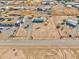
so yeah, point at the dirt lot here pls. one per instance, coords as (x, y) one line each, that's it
(47, 30)
(64, 11)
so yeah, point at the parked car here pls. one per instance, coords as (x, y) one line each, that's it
(76, 6)
(37, 20)
(71, 23)
(2, 19)
(71, 4)
(43, 8)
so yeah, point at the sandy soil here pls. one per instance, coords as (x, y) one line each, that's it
(39, 52)
(64, 11)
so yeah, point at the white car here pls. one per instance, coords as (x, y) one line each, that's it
(76, 6)
(71, 4)
(71, 23)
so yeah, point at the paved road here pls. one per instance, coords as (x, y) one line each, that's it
(40, 42)
(28, 22)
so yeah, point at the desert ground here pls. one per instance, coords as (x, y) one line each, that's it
(39, 52)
